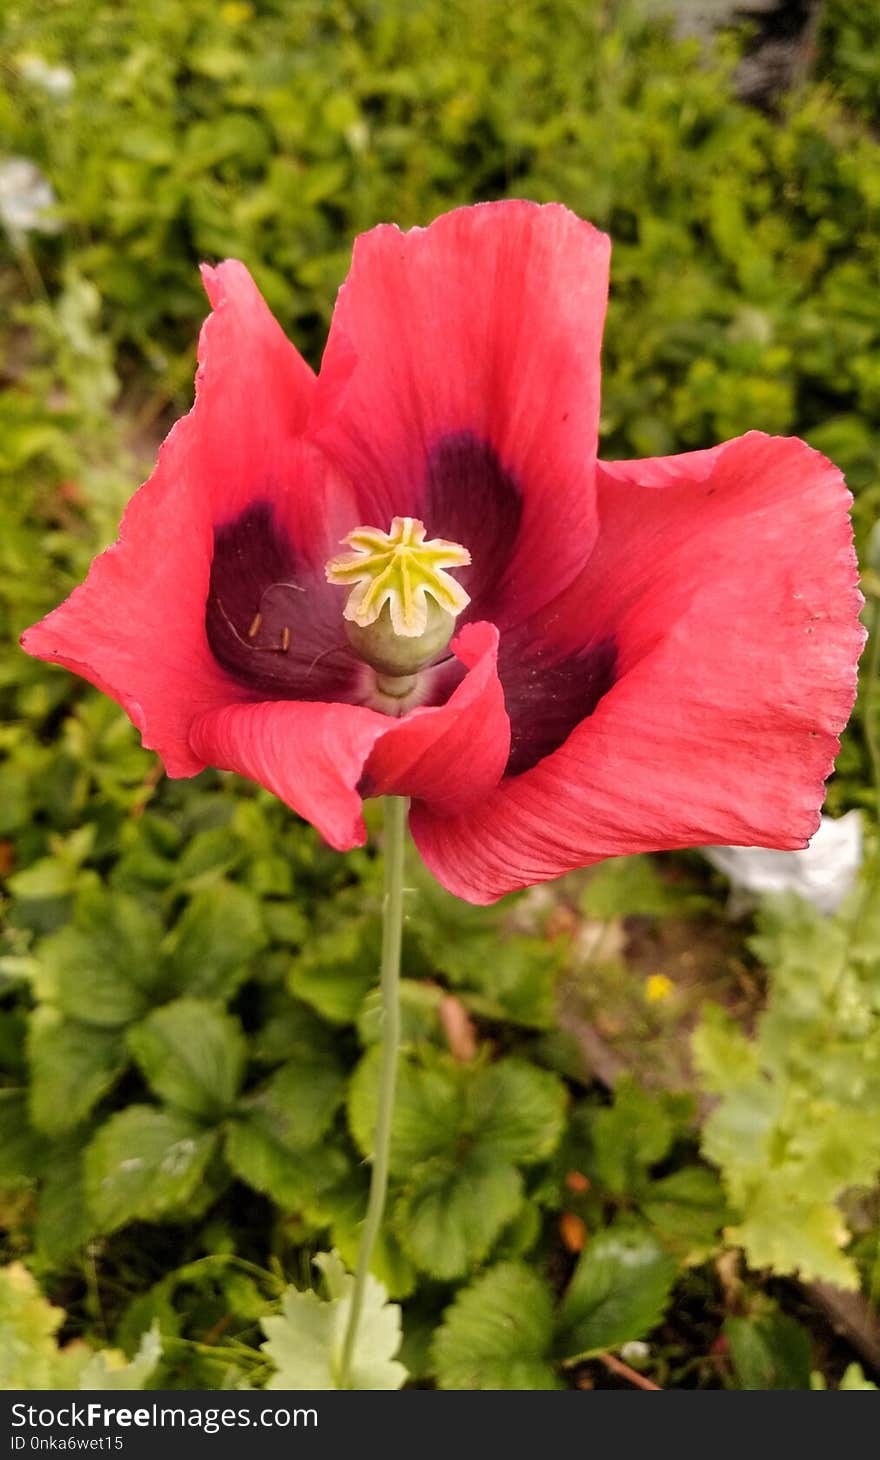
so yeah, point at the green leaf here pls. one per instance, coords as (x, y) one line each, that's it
(454, 1210)
(498, 1334)
(193, 1056)
(630, 1136)
(31, 1359)
(625, 887)
(419, 1003)
(515, 1111)
(214, 940)
(272, 1144)
(854, 1378)
(769, 1352)
(28, 1325)
(63, 1223)
(298, 1102)
(21, 1148)
(72, 1066)
(456, 1133)
(509, 1111)
(798, 1118)
(428, 1107)
(305, 1340)
(618, 1292)
(511, 977)
(109, 1369)
(687, 1208)
(292, 1032)
(104, 969)
(343, 1208)
(144, 1163)
(336, 969)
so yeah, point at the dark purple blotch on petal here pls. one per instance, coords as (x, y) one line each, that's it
(547, 697)
(272, 622)
(471, 499)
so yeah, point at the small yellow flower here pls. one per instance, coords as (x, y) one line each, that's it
(658, 988)
(235, 12)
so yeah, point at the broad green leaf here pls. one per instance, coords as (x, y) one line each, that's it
(448, 1217)
(336, 969)
(292, 1031)
(72, 1065)
(687, 1209)
(46, 878)
(193, 1056)
(273, 1142)
(145, 1163)
(296, 1105)
(206, 858)
(63, 1223)
(217, 935)
(104, 968)
(457, 1131)
(294, 1177)
(515, 1111)
(419, 1020)
(618, 1292)
(769, 1352)
(21, 1148)
(629, 1136)
(343, 1207)
(509, 977)
(509, 1111)
(498, 1334)
(787, 1234)
(304, 1342)
(428, 1108)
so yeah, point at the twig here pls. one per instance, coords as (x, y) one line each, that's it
(623, 1371)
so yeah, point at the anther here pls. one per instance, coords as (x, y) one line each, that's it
(285, 639)
(255, 625)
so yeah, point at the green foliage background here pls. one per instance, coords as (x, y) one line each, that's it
(186, 1009)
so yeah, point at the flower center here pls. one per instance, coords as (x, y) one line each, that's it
(401, 611)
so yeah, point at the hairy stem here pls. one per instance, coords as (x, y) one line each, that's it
(396, 808)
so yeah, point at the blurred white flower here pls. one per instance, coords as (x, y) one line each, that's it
(823, 874)
(57, 81)
(635, 1352)
(26, 198)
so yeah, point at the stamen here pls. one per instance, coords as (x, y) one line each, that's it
(400, 569)
(255, 625)
(285, 639)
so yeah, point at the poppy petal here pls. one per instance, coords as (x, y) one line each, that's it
(310, 755)
(731, 594)
(136, 627)
(460, 384)
(452, 755)
(322, 759)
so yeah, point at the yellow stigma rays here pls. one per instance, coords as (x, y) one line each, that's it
(401, 569)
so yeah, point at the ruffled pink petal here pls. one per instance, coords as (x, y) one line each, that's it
(136, 627)
(453, 755)
(312, 756)
(461, 382)
(731, 593)
(322, 759)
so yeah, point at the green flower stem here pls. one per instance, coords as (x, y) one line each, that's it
(396, 809)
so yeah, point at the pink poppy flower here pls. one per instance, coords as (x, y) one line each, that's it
(654, 654)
